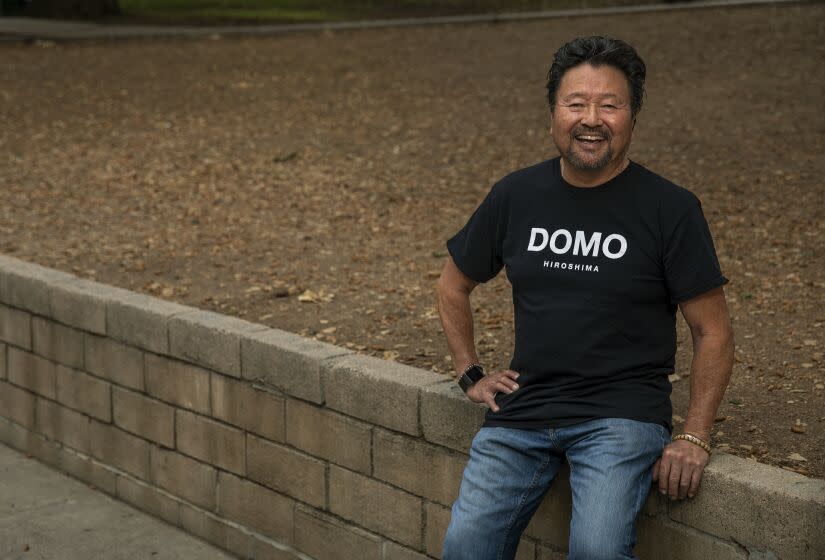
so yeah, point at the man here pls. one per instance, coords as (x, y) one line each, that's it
(600, 252)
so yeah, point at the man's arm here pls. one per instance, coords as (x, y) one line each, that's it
(680, 468)
(453, 292)
(453, 299)
(712, 365)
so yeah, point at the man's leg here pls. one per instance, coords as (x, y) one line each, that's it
(610, 461)
(508, 473)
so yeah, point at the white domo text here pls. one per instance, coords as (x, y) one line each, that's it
(562, 241)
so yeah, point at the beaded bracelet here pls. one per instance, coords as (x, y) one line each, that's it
(693, 439)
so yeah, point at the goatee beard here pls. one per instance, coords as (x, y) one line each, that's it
(575, 160)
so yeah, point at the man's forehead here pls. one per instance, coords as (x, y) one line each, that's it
(594, 95)
(590, 81)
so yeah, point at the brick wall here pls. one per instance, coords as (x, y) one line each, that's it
(275, 446)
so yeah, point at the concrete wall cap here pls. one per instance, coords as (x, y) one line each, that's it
(26, 285)
(763, 478)
(292, 342)
(142, 320)
(31, 270)
(449, 389)
(150, 303)
(287, 362)
(81, 303)
(371, 366)
(217, 321)
(448, 417)
(379, 391)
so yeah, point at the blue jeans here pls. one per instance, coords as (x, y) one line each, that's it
(511, 469)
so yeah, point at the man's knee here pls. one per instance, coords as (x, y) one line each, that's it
(478, 535)
(595, 548)
(465, 541)
(452, 549)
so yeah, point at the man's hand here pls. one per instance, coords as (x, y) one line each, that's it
(680, 469)
(485, 389)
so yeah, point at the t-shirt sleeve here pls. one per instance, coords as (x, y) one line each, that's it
(477, 247)
(690, 263)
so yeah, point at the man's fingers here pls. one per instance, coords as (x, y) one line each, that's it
(510, 373)
(490, 399)
(506, 387)
(674, 480)
(501, 381)
(507, 377)
(685, 482)
(486, 390)
(681, 470)
(694, 483)
(664, 473)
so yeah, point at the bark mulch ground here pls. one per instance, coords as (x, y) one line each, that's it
(308, 182)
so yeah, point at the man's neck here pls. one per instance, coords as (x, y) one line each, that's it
(586, 179)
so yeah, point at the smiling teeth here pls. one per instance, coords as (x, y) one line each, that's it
(590, 138)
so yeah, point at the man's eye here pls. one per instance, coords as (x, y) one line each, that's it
(576, 105)
(609, 107)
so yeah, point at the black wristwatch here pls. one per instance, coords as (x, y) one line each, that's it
(471, 375)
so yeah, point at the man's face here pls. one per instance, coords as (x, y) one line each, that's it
(591, 123)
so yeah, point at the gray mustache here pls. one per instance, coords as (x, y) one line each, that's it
(601, 134)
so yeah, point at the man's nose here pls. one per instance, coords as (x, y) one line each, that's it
(591, 116)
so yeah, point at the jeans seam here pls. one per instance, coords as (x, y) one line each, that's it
(641, 497)
(519, 507)
(628, 538)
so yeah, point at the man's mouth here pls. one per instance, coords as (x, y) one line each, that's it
(590, 138)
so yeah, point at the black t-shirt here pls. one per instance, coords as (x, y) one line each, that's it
(597, 274)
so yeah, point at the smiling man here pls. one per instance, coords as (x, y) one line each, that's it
(600, 253)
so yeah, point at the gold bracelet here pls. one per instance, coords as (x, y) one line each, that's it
(693, 439)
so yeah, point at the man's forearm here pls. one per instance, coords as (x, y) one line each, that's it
(711, 369)
(457, 322)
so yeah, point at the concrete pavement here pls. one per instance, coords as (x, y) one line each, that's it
(46, 515)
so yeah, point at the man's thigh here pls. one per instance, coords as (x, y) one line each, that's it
(610, 478)
(508, 473)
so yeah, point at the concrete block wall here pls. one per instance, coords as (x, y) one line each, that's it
(273, 446)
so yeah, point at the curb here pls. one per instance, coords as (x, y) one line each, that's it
(53, 30)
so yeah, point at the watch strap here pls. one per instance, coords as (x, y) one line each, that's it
(472, 374)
